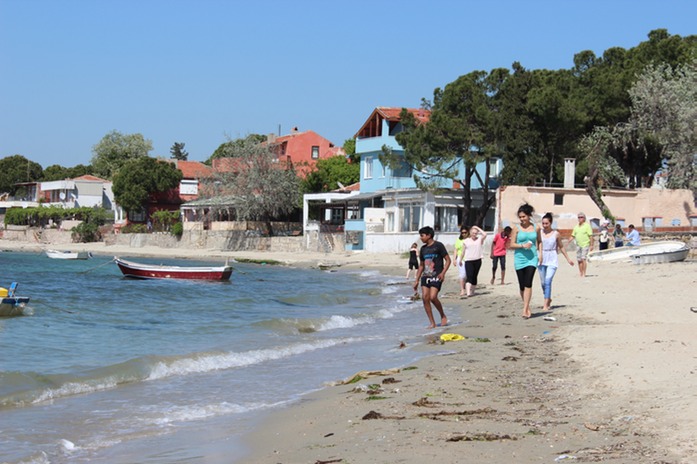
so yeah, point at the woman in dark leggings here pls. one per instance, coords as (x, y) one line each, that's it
(525, 241)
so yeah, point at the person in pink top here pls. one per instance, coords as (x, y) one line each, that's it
(473, 253)
(498, 253)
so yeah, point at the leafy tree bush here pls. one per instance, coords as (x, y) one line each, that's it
(162, 221)
(134, 229)
(177, 229)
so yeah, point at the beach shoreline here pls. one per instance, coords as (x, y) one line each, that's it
(607, 380)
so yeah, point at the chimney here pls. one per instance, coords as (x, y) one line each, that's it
(271, 138)
(569, 172)
(294, 130)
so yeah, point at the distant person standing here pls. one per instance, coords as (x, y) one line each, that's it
(459, 258)
(633, 236)
(413, 259)
(525, 239)
(583, 236)
(434, 262)
(550, 244)
(603, 238)
(474, 252)
(498, 253)
(618, 235)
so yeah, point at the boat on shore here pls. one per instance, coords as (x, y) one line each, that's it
(154, 271)
(668, 256)
(11, 304)
(55, 254)
(655, 252)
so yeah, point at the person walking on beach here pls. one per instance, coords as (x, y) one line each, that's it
(473, 254)
(550, 244)
(459, 258)
(633, 236)
(434, 262)
(525, 240)
(413, 259)
(498, 253)
(618, 235)
(583, 236)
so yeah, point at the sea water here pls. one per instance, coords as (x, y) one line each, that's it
(103, 368)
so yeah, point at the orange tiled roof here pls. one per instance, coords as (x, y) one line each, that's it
(90, 178)
(372, 126)
(193, 169)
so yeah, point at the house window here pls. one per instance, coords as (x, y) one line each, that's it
(188, 187)
(558, 199)
(368, 168)
(136, 216)
(404, 170)
(494, 165)
(390, 222)
(315, 151)
(411, 217)
(446, 219)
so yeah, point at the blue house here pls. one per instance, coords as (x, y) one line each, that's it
(389, 209)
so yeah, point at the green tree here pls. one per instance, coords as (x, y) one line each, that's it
(231, 147)
(115, 149)
(260, 189)
(58, 172)
(139, 178)
(664, 110)
(178, 153)
(15, 169)
(329, 173)
(350, 150)
(460, 133)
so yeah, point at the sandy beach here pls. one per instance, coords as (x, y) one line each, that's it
(610, 379)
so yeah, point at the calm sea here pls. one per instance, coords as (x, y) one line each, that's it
(107, 369)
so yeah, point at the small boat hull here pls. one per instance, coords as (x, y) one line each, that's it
(661, 257)
(55, 254)
(13, 305)
(628, 252)
(151, 271)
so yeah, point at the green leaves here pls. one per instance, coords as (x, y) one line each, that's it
(140, 177)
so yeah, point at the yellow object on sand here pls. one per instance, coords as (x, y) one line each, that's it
(451, 337)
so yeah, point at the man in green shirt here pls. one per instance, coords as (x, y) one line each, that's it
(583, 235)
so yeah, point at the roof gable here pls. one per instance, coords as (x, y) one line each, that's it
(373, 125)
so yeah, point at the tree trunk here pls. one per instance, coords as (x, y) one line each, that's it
(593, 190)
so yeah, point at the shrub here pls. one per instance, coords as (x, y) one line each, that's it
(134, 229)
(177, 229)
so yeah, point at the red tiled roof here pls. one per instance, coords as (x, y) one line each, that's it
(193, 169)
(392, 114)
(371, 127)
(90, 178)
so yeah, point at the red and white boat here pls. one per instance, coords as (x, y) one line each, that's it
(154, 271)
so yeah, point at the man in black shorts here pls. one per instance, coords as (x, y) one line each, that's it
(434, 263)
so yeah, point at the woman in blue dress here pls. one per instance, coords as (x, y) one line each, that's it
(525, 241)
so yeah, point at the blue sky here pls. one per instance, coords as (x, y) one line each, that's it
(198, 71)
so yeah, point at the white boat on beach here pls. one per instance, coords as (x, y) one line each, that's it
(655, 252)
(55, 254)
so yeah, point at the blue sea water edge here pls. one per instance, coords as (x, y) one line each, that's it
(106, 368)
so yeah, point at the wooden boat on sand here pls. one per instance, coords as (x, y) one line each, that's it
(154, 271)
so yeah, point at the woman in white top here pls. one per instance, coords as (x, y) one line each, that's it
(550, 244)
(473, 254)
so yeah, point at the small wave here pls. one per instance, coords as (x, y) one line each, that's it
(33, 388)
(213, 362)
